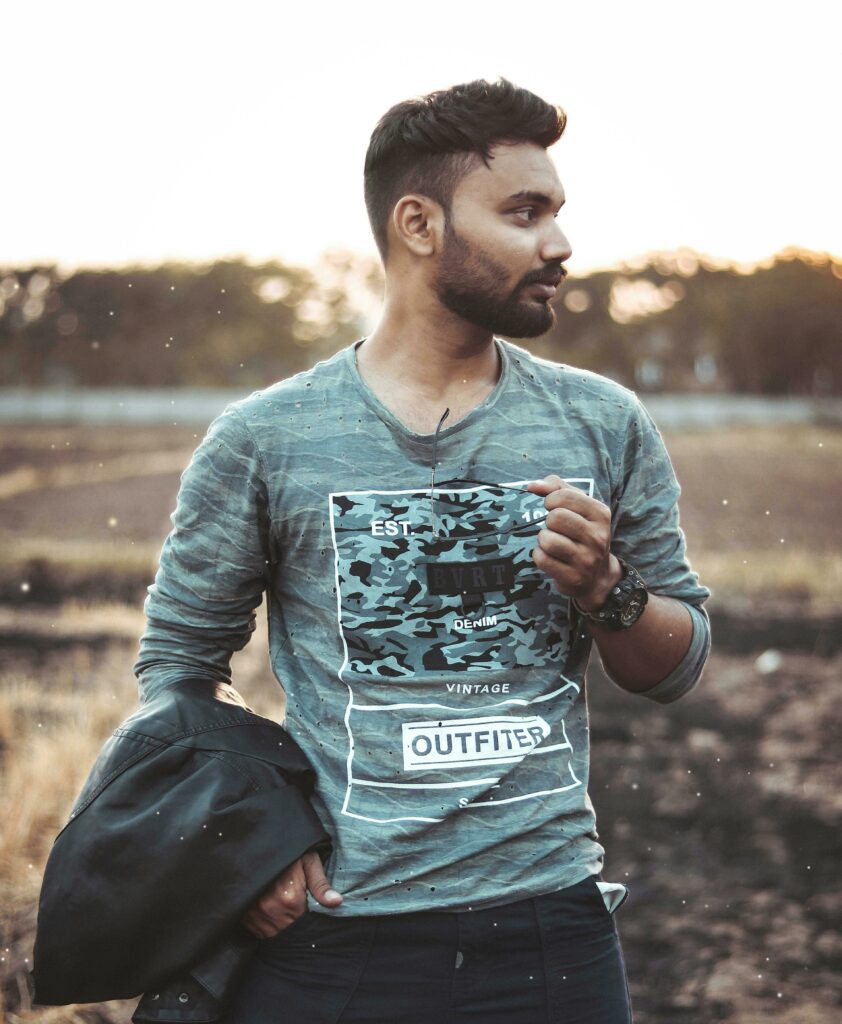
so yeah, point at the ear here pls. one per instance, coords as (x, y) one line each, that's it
(418, 223)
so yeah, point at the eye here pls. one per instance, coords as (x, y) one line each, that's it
(527, 210)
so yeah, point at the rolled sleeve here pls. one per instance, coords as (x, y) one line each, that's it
(688, 671)
(214, 563)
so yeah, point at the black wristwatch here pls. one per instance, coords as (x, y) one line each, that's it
(625, 603)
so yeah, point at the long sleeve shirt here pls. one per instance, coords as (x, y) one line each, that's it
(433, 675)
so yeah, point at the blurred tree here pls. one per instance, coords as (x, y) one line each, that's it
(672, 321)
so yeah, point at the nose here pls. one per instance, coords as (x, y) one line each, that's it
(556, 248)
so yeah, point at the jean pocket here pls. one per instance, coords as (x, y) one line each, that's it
(613, 894)
(304, 923)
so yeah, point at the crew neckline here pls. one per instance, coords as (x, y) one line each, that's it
(392, 421)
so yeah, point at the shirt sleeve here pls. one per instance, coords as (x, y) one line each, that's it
(214, 563)
(646, 532)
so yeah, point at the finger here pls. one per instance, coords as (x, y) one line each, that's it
(547, 485)
(560, 548)
(567, 578)
(257, 925)
(577, 501)
(567, 523)
(285, 899)
(317, 881)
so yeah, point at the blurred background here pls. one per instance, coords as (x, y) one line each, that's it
(182, 221)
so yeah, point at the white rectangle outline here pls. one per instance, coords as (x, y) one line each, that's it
(351, 782)
(476, 762)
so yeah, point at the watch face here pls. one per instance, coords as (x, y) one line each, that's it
(633, 609)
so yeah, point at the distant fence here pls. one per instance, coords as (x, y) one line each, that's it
(195, 407)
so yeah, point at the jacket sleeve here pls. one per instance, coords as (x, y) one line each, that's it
(213, 566)
(646, 533)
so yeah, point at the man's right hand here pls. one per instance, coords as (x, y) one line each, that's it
(286, 898)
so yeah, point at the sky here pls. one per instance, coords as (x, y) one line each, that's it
(140, 133)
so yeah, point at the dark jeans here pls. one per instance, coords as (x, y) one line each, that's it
(553, 958)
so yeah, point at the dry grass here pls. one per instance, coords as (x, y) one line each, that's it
(56, 711)
(51, 730)
(743, 490)
(787, 577)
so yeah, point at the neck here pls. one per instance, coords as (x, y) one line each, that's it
(433, 353)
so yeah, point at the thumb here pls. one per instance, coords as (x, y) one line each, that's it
(317, 881)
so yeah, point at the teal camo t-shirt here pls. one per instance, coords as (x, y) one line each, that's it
(434, 676)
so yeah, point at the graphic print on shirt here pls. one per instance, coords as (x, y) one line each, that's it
(435, 631)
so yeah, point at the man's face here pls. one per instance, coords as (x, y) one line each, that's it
(504, 250)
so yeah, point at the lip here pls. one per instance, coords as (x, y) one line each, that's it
(546, 291)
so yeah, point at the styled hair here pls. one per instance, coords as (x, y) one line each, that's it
(428, 144)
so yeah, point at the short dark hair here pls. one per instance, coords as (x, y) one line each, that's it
(428, 144)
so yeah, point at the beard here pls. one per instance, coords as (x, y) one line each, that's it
(468, 284)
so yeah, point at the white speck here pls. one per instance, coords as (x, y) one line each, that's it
(112, 521)
(724, 501)
(768, 662)
(25, 587)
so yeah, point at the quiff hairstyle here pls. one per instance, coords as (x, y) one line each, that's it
(428, 144)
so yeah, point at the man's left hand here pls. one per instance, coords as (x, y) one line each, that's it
(574, 547)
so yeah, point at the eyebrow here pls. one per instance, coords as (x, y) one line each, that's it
(534, 197)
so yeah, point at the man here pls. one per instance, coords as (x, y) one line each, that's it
(444, 524)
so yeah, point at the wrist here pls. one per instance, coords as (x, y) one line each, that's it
(596, 599)
(624, 604)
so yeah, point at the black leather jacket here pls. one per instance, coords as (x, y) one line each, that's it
(194, 805)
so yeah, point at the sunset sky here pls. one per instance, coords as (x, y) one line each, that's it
(184, 130)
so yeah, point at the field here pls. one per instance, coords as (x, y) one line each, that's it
(721, 812)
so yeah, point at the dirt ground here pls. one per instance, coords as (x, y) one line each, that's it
(721, 812)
